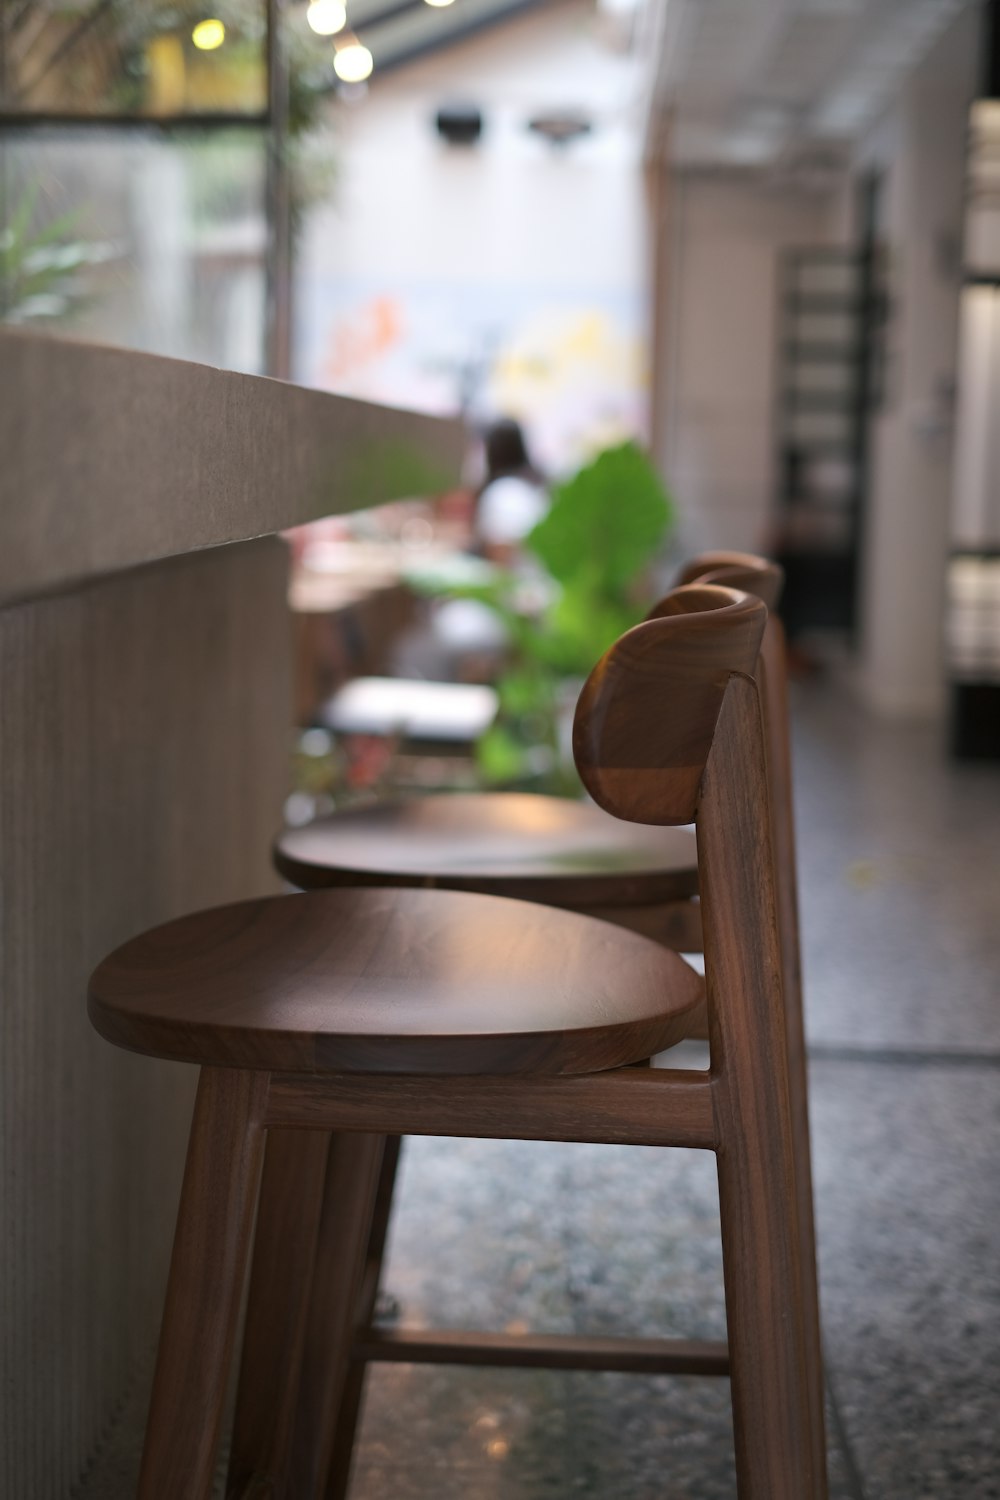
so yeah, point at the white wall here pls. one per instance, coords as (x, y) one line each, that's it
(471, 243)
(920, 146)
(719, 450)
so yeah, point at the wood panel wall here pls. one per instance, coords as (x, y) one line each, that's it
(143, 762)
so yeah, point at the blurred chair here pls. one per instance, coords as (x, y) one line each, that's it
(537, 848)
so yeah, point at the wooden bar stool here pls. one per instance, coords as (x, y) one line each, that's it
(562, 853)
(533, 847)
(356, 1014)
(489, 843)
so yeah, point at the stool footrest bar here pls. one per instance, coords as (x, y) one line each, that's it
(640, 1106)
(545, 1351)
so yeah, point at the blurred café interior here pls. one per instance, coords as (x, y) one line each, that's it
(367, 368)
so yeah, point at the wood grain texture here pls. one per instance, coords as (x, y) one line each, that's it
(388, 981)
(342, 1419)
(534, 848)
(637, 1106)
(546, 1351)
(773, 677)
(284, 1254)
(676, 924)
(766, 1311)
(647, 713)
(143, 763)
(757, 576)
(339, 1305)
(204, 1288)
(113, 458)
(748, 571)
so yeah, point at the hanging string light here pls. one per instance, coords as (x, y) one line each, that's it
(208, 35)
(327, 17)
(352, 62)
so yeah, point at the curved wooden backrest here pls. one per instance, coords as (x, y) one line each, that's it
(736, 570)
(647, 713)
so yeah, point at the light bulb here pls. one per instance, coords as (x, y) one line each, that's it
(439, 4)
(327, 17)
(208, 35)
(353, 63)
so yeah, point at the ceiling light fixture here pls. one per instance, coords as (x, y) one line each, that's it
(561, 126)
(438, 4)
(327, 17)
(352, 62)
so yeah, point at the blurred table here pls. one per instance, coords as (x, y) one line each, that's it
(352, 598)
(436, 712)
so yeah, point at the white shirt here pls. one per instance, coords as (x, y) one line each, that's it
(508, 509)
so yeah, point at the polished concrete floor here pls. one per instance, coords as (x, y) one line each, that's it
(900, 874)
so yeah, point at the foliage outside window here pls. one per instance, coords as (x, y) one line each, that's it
(127, 57)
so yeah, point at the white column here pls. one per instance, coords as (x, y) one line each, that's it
(920, 149)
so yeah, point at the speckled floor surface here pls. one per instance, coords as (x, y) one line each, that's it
(901, 919)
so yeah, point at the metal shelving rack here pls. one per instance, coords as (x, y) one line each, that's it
(831, 309)
(819, 437)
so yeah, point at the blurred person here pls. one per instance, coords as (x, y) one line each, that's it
(512, 498)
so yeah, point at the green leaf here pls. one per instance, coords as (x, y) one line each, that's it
(499, 755)
(525, 692)
(580, 627)
(602, 529)
(21, 217)
(605, 523)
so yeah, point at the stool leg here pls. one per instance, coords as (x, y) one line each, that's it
(207, 1268)
(799, 1099)
(350, 1404)
(768, 1356)
(774, 681)
(352, 1179)
(288, 1216)
(771, 1341)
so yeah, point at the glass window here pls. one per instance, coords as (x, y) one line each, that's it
(139, 238)
(147, 58)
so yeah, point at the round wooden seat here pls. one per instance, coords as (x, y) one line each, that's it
(390, 981)
(548, 849)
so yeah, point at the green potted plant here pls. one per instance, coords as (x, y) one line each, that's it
(40, 267)
(595, 545)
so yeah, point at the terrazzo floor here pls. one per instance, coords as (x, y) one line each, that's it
(900, 884)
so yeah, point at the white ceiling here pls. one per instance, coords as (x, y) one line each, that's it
(756, 82)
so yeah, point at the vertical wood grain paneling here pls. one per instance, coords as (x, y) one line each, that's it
(143, 751)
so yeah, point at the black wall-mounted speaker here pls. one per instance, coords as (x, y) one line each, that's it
(459, 124)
